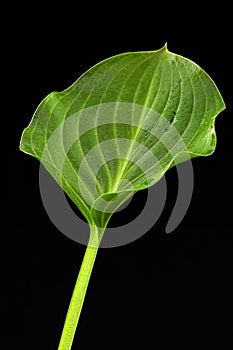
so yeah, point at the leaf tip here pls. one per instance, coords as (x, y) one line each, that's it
(163, 49)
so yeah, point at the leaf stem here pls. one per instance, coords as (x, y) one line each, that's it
(79, 292)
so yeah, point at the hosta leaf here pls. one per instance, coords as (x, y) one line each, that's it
(122, 125)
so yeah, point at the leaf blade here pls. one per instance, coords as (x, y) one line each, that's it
(185, 102)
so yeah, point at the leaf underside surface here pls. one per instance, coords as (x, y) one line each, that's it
(121, 126)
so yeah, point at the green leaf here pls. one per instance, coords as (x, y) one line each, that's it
(116, 131)
(121, 126)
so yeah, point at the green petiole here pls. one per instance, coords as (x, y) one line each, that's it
(78, 296)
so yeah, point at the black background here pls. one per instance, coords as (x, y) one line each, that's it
(162, 290)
